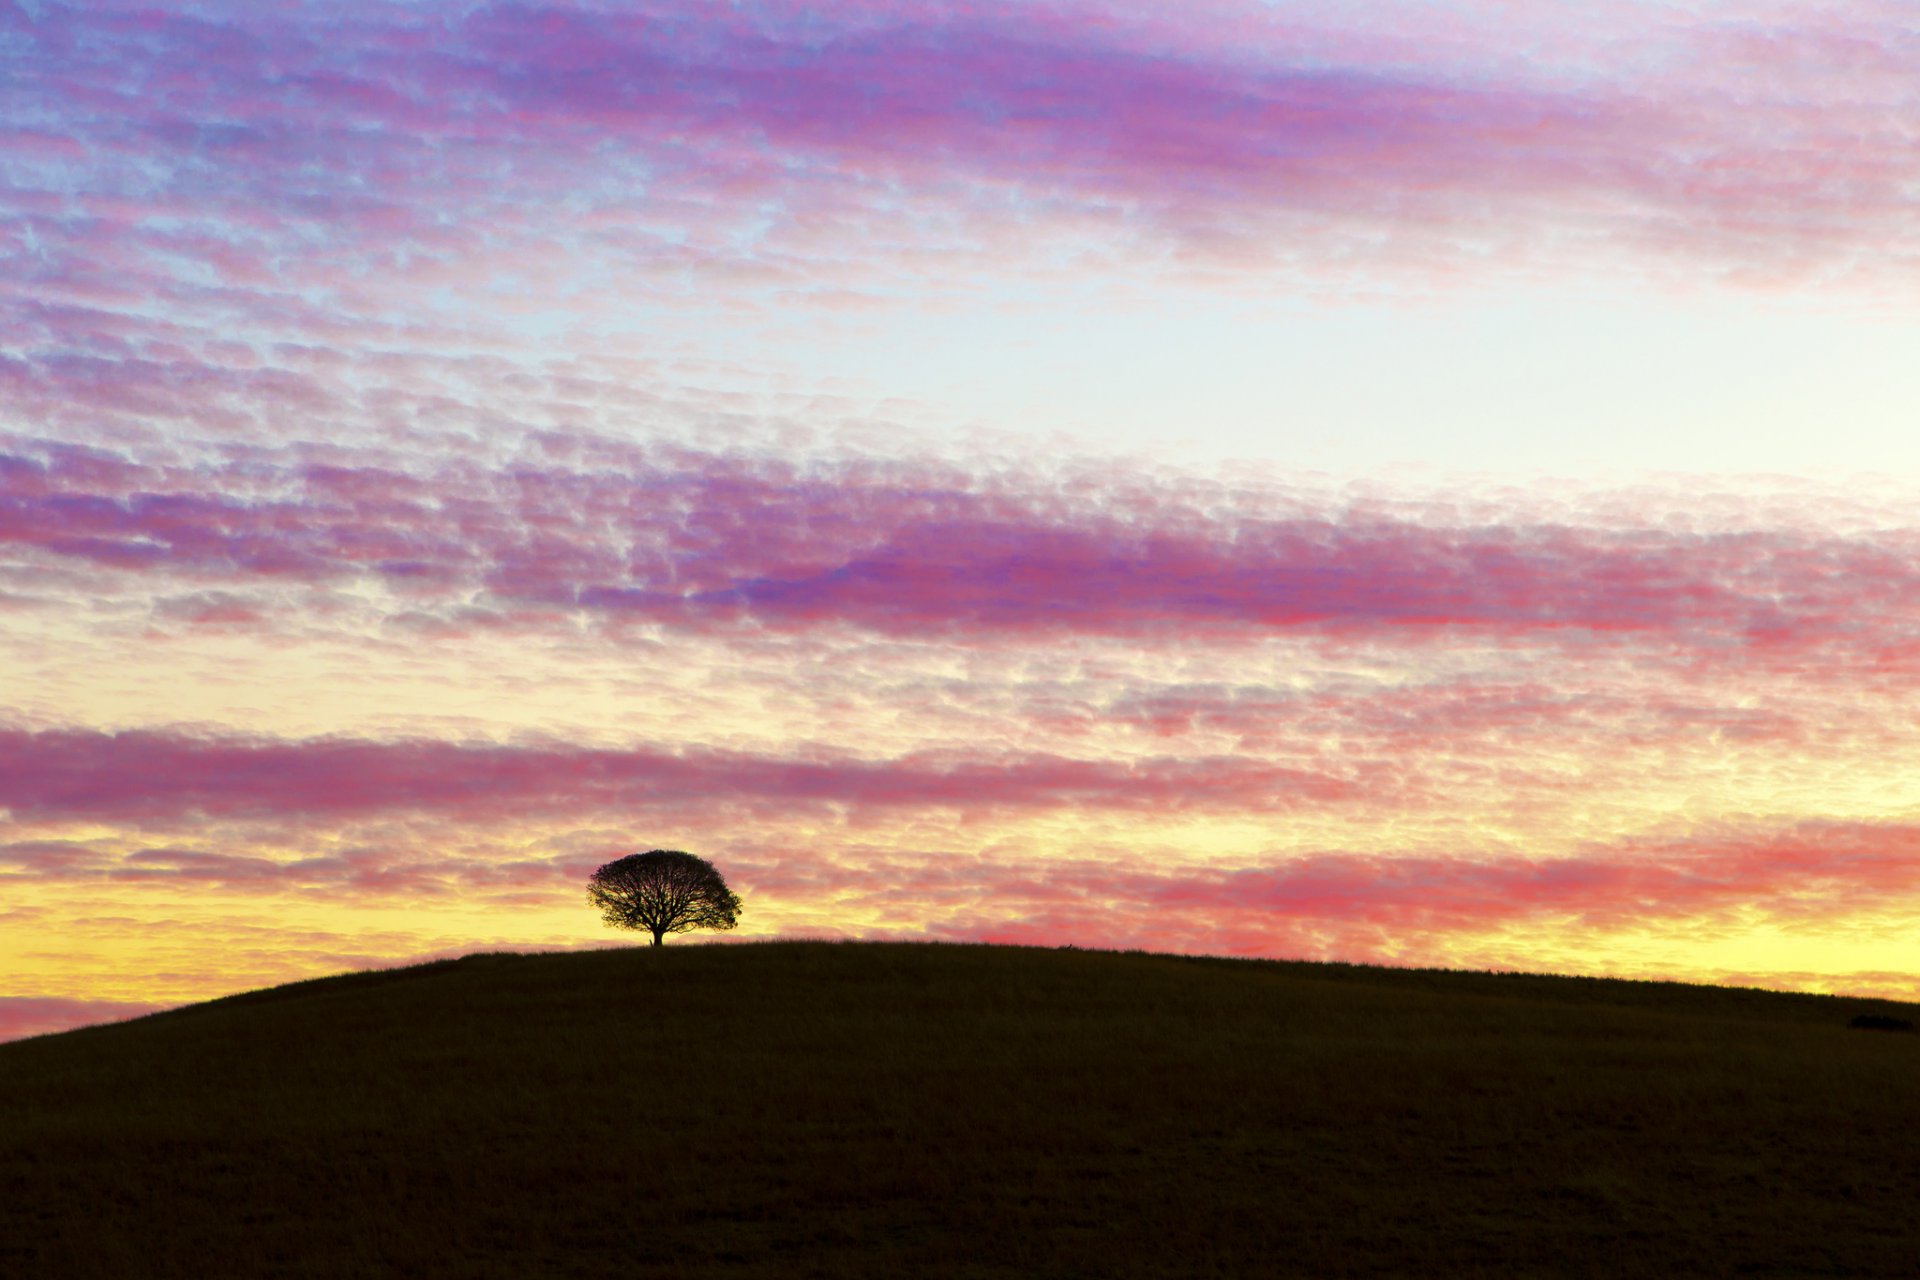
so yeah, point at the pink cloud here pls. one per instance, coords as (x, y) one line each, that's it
(157, 776)
(1412, 908)
(340, 873)
(51, 859)
(278, 157)
(1457, 718)
(23, 1016)
(716, 543)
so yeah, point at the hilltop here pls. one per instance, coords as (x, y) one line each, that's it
(802, 1109)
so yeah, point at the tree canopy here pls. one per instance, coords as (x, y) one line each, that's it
(663, 891)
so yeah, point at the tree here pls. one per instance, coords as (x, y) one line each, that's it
(663, 891)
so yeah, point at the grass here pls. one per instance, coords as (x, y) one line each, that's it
(817, 1109)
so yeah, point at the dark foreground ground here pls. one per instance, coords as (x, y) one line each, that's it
(897, 1111)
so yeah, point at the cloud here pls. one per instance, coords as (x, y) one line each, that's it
(159, 776)
(741, 543)
(1480, 715)
(1429, 906)
(371, 155)
(23, 1016)
(51, 859)
(1425, 908)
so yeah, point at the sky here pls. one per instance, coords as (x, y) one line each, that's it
(1408, 483)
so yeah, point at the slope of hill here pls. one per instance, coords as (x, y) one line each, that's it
(803, 1109)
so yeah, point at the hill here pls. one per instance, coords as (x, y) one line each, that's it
(818, 1109)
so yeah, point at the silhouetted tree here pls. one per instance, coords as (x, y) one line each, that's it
(663, 891)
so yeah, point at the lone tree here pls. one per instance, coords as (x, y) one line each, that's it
(663, 891)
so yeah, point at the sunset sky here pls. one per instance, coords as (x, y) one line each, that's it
(1423, 483)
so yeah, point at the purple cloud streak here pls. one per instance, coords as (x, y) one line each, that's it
(245, 161)
(153, 776)
(717, 543)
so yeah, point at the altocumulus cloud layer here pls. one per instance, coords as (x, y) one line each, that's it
(770, 145)
(369, 572)
(717, 543)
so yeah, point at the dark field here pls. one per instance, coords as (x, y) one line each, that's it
(814, 1109)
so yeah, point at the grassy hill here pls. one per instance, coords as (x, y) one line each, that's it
(815, 1109)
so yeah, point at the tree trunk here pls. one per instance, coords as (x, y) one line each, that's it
(656, 936)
